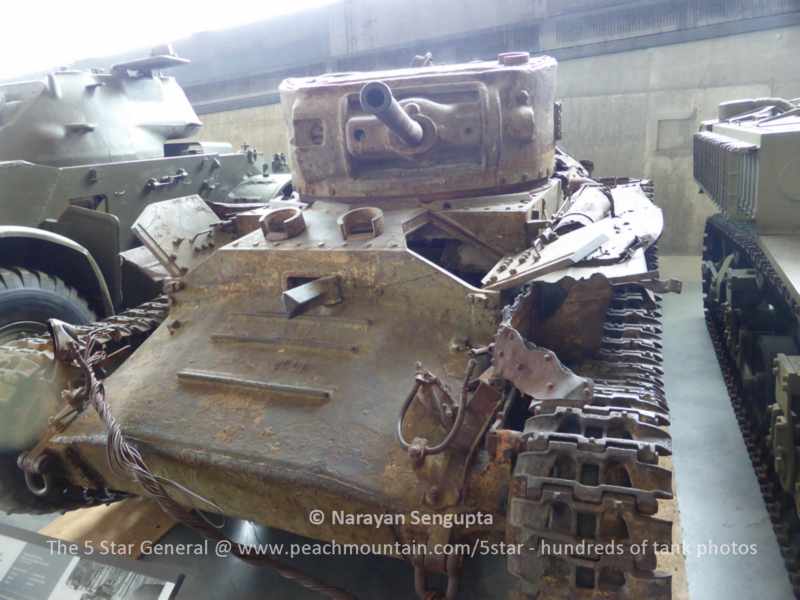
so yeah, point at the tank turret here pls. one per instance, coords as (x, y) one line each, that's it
(444, 130)
(79, 117)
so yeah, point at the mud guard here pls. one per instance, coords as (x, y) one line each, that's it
(61, 256)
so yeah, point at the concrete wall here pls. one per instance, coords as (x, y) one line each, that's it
(633, 113)
(359, 27)
(260, 126)
(636, 76)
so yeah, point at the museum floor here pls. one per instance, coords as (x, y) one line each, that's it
(717, 494)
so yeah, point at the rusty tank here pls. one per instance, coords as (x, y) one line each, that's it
(450, 339)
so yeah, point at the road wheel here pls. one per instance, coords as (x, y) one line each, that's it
(30, 386)
(30, 380)
(29, 298)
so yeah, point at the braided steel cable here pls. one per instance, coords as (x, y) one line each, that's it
(125, 459)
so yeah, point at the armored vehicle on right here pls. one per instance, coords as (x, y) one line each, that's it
(748, 162)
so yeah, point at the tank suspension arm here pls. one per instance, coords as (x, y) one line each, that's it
(377, 99)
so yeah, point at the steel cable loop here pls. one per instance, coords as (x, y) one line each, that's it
(403, 410)
(125, 459)
(459, 420)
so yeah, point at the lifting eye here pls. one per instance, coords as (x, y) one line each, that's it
(361, 223)
(282, 224)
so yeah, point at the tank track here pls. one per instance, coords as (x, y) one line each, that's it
(780, 506)
(24, 356)
(591, 473)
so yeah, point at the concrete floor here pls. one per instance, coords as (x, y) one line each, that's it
(717, 494)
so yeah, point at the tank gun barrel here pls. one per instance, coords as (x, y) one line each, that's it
(377, 99)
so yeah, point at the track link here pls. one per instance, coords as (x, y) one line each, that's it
(589, 471)
(780, 505)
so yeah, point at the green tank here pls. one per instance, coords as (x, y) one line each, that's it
(748, 162)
